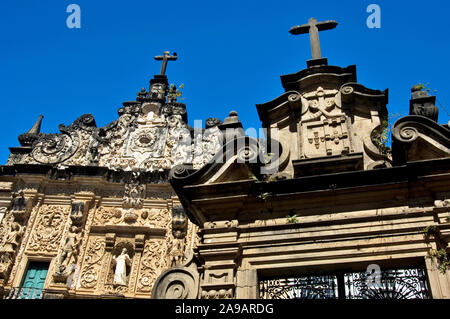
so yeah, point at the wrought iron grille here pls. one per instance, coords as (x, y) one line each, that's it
(392, 284)
(24, 293)
(308, 287)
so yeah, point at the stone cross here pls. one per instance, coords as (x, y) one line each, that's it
(166, 57)
(313, 27)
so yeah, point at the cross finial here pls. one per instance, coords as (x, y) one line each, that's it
(313, 27)
(166, 57)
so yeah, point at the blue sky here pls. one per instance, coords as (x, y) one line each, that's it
(231, 54)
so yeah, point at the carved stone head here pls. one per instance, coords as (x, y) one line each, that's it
(179, 222)
(77, 213)
(158, 91)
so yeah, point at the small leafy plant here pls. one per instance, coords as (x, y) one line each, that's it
(292, 219)
(423, 87)
(430, 230)
(381, 136)
(175, 93)
(442, 258)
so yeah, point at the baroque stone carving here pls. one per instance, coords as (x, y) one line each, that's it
(49, 228)
(11, 233)
(92, 263)
(206, 146)
(134, 193)
(151, 264)
(324, 126)
(179, 222)
(77, 214)
(118, 276)
(154, 217)
(55, 148)
(176, 251)
(19, 207)
(68, 257)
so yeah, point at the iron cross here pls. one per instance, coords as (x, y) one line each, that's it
(313, 27)
(166, 57)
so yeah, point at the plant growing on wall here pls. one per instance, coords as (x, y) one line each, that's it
(292, 218)
(442, 257)
(175, 93)
(381, 136)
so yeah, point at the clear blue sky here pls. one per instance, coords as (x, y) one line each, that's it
(231, 54)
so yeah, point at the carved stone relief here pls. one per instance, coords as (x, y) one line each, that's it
(206, 146)
(154, 217)
(68, 256)
(179, 222)
(49, 228)
(11, 233)
(152, 262)
(92, 262)
(324, 128)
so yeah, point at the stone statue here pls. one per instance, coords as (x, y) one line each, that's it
(14, 237)
(176, 252)
(120, 272)
(70, 252)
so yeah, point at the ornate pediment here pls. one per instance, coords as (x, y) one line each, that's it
(324, 116)
(151, 134)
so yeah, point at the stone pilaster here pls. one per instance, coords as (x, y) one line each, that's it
(247, 284)
(220, 264)
(439, 282)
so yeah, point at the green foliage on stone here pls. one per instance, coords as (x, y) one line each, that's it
(442, 257)
(381, 136)
(175, 93)
(292, 219)
(430, 230)
(423, 87)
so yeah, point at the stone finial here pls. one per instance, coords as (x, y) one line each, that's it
(423, 104)
(232, 118)
(27, 139)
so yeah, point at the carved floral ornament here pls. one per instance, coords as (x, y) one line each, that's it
(49, 228)
(154, 217)
(92, 263)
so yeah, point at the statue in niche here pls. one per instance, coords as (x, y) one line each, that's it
(120, 273)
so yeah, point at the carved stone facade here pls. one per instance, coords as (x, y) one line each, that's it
(80, 234)
(148, 207)
(94, 204)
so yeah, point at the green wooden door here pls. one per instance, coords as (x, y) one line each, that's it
(34, 280)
